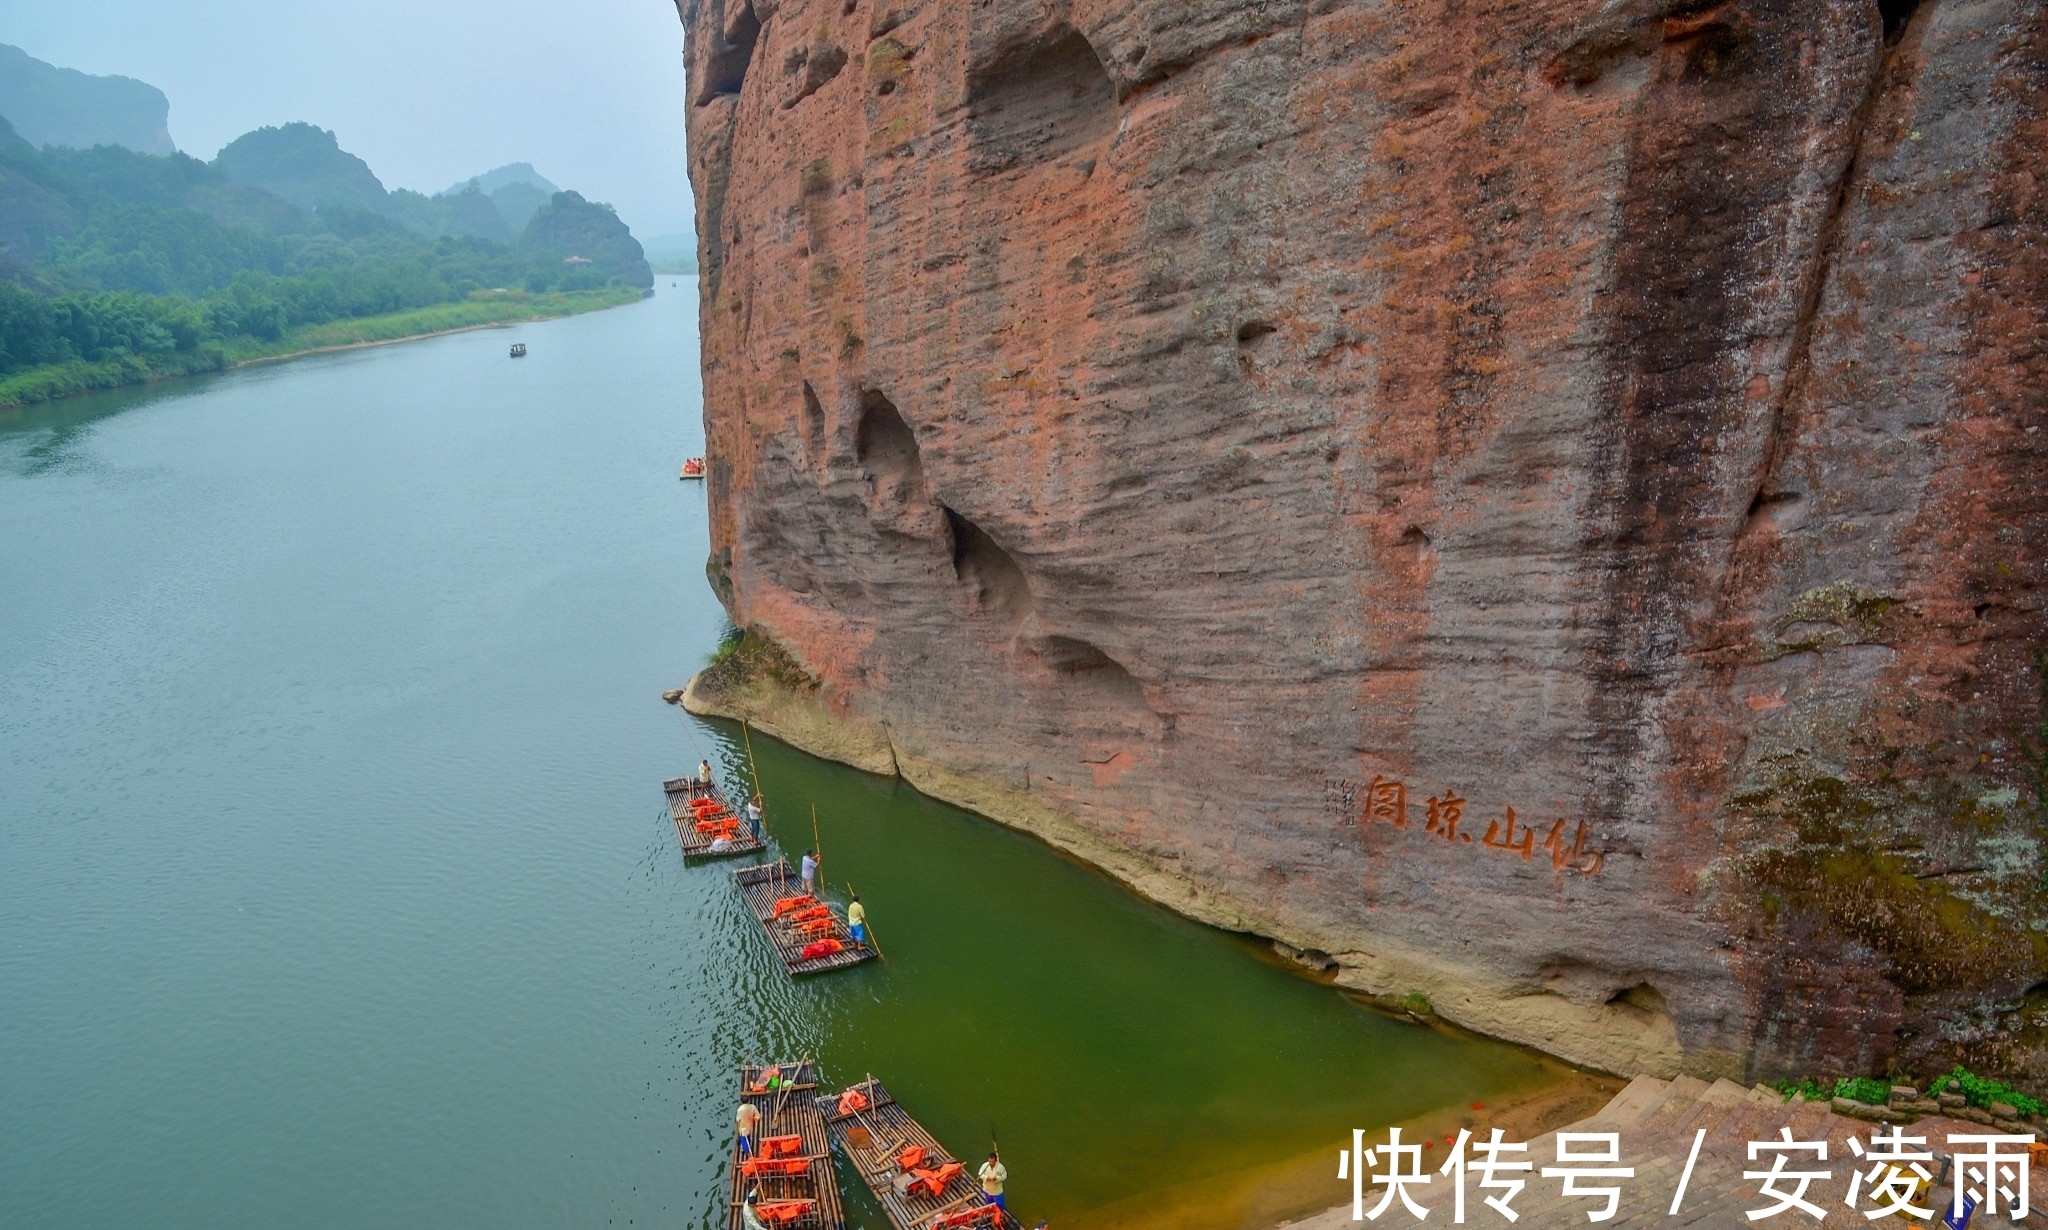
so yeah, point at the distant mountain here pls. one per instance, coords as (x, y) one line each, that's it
(511, 173)
(304, 165)
(62, 106)
(517, 203)
(470, 215)
(581, 234)
(516, 189)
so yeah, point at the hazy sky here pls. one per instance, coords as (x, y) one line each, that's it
(427, 92)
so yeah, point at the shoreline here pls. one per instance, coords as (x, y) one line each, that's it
(340, 347)
(1267, 1195)
(769, 690)
(10, 406)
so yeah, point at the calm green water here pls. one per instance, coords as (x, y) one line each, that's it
(335, 889)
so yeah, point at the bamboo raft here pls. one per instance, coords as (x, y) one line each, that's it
(768, 883)
(879, 1137)
(789, 1112)
(700, 841)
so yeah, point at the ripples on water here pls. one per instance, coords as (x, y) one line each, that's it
(334, 886)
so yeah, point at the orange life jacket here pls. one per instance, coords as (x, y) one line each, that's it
(852, 1100)
(772, 1145)
(822, 948)
(816, 911)
(782, 1210)
(787, 904)
(706, 803)
(775, 1165)
(728, 827)
(935, 1181)
(822, 926)
(965, 1217)
(913, 1156)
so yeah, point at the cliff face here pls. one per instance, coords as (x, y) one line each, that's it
(1539, 503)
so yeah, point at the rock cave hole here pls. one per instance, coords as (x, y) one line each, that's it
(820, 65)
(991, 574)
(813, 420)
(1896, 14)
(884, 443)
(1642, 998)
(1042, 100)
(1252, 331)
(1086, 667)
(731, 53)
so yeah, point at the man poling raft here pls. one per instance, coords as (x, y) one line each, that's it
(918, 1184)
(706, 824)
(781, 1171)
(806, 933)
(993, 1176)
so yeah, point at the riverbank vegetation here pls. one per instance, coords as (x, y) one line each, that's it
(152, 359)
(1978, 1091)
(118, 267)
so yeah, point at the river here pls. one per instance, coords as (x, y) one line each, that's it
(335, 889)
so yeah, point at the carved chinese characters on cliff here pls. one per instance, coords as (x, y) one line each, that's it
(1386, 802)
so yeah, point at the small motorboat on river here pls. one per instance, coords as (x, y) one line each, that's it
(790, 1172)
(805, 932)
(519, 350)
(707, 825)
(693, 468)
(917, 1183)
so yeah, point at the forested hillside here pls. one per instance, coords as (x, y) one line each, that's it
(117, 266)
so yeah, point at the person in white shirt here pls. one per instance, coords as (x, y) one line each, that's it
(992, 1178)
(810, 873)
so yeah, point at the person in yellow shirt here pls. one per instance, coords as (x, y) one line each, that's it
(857, 920)
(992, 1178)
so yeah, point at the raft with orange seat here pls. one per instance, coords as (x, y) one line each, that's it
(918, 1184)
(706, 824)
(790, 1172)
(808, 935)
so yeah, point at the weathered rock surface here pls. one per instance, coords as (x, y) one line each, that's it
(1540, 502)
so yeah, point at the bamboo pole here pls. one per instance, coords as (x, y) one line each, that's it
(751, 766)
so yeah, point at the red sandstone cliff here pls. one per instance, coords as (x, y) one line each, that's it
(1267, 445)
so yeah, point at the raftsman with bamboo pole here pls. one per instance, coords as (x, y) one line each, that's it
(790, 1172)
(804, 931)
(918, 1184)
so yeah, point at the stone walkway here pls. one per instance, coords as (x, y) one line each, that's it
(1658, 1121)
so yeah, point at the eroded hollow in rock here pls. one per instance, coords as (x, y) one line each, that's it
(1896, 13)
(1642, 998)
(813, 421)
(726, 67)
(1081, 665)
(995, 584)
(1041, 101)
(883, 442)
